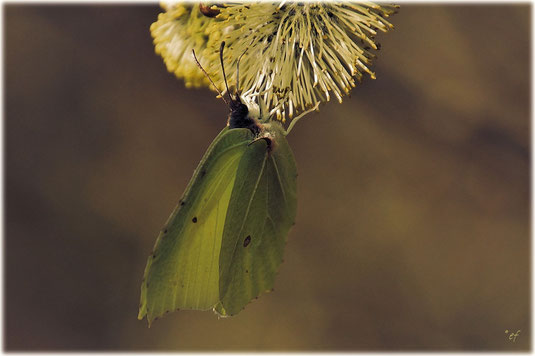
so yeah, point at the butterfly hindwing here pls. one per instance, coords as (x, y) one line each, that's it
(183, 271)
(261, 211)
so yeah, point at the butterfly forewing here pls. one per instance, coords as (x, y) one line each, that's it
(183, 271)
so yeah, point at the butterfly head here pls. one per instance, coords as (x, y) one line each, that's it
(244, 111)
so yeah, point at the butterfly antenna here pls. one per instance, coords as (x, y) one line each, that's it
(238, 72)
(223, 68)
(210, 79)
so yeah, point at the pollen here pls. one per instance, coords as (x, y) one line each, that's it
(299, 54)
(293, 55)
(177, 31)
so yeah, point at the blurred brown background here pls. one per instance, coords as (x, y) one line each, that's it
(413, 226)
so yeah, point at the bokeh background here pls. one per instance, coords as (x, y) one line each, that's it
(413, 226)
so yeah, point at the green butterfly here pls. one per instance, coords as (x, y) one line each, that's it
(222, 245)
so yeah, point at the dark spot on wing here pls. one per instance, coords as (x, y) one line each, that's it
(246, 271)
(182, 203)
(247, 241)
(202, 173)
(194, 219)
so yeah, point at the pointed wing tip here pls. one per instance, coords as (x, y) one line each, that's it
(142, 314)
(149, 321)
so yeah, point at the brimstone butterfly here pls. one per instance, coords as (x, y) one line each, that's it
(222, 245)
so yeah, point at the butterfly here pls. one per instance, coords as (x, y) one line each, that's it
(223, 243)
